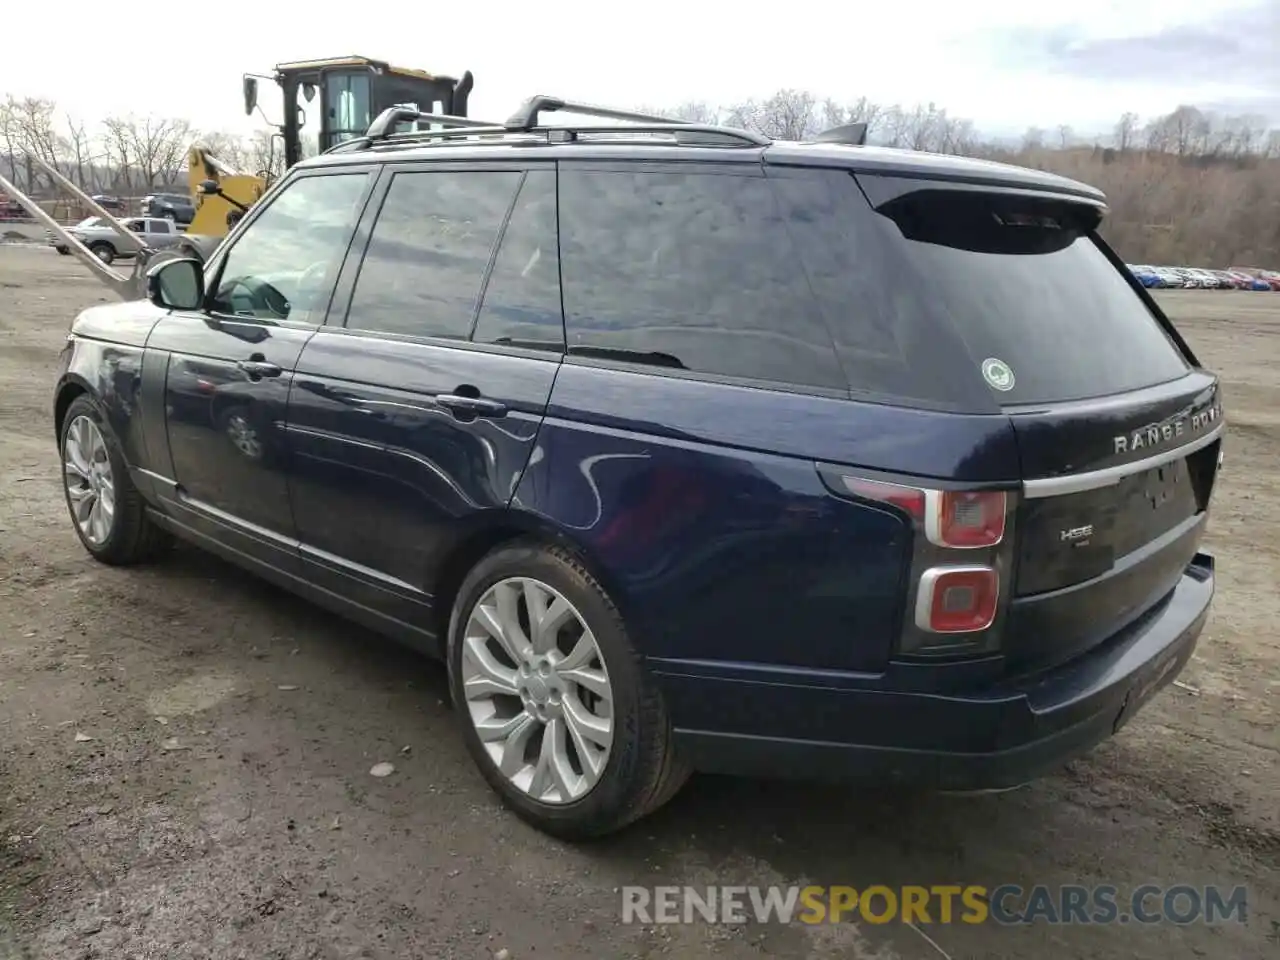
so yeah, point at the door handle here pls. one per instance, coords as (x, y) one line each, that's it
(257, 369)
(471, 407)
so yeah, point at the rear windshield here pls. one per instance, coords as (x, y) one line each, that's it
(1045, 315)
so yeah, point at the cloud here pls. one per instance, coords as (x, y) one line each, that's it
(1227, 60)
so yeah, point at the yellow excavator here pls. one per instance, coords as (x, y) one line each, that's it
(352, 91)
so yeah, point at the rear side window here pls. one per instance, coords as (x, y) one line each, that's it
(521, 303)
(429, 251)
(694, 271)
(1044, 313)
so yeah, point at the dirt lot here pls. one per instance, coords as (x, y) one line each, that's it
(223, 806)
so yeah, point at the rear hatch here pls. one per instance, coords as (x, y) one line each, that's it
(1118, 429)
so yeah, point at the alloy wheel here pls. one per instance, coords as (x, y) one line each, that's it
(537, 690)
(90, 485)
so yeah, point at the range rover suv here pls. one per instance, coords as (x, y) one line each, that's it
(685, 450)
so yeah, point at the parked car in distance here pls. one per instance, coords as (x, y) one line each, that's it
(11, 209)
(96, 234)
(589, 418)
(1268, 277)
(1184, 278)
(170, 206)
(1146, 276)
(109, 203)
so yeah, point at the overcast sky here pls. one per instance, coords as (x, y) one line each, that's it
(1006, 64)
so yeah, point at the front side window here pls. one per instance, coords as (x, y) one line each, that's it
(691, 271)
(283, 267)
(429, 250)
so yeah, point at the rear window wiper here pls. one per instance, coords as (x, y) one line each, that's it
(651, 357)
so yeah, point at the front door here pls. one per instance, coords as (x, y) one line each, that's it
(231, 365)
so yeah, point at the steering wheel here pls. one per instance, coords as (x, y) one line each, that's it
(262, 295)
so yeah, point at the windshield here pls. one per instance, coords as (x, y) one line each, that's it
(89, 222)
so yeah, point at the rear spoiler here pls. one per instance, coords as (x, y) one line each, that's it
(126, 287)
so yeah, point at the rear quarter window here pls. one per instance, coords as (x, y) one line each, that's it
(689, 271)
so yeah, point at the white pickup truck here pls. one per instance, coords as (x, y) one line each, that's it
(94, 233)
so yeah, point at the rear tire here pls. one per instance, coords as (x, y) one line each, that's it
(585, 789)
(95, 475)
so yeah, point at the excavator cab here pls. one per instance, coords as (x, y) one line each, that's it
(352, 92)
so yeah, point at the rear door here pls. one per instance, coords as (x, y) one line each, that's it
(422, 411)
(1118, 428)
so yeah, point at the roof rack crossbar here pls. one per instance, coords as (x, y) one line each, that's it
(384, 125)
(526, 117)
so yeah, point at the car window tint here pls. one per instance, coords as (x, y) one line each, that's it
(694, 270)
(521, 302)
(891, 350)
(1025, 284)
(285, 263)
(429, 250)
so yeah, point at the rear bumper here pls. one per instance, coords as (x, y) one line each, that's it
(997, 736)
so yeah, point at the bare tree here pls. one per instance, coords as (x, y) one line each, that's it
(862, 110)
(265, 154)
(227, 147)
(1126, 131)
(10, 136)
(31, 123)
(79, 153)
(787, 115)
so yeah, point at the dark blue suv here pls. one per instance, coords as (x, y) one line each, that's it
(687, 450)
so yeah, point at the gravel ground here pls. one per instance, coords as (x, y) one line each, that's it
(185, 755)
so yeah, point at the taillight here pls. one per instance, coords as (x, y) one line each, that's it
(966, 519)
(961, 554)
(957, 599)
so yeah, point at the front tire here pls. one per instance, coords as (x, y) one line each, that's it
(104, 252)
(555, 706)
(107, 511)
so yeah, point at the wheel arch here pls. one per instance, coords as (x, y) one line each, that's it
(71, 387)
(492, 530)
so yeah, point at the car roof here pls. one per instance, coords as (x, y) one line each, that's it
(885, 161)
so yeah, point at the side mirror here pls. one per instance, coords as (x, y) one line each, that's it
(250, 94)
(176, 284)
(308, 92)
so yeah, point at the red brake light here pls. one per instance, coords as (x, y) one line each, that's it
(957, 599)
(966, 519)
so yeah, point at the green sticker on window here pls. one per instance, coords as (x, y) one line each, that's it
(997, 373)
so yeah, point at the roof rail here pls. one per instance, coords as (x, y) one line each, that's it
(525, 120)
(854, 134)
